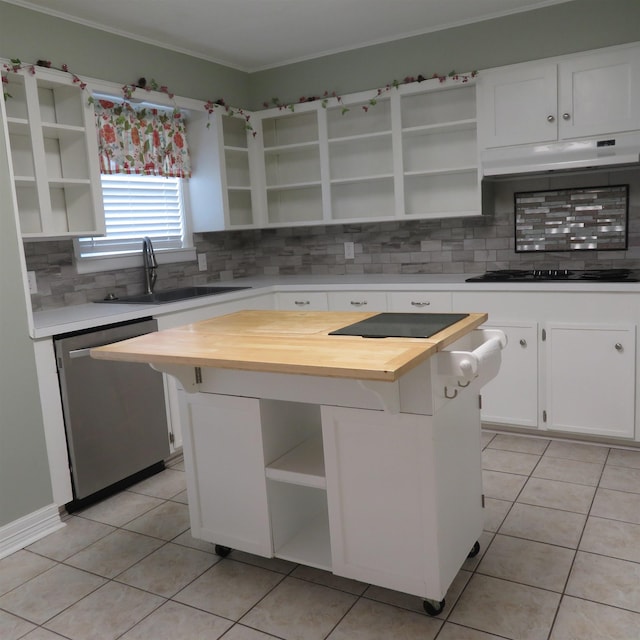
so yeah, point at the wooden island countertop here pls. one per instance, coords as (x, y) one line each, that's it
(292, 342)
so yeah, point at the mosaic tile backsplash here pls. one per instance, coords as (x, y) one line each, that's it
(449, 245)
(572, 219)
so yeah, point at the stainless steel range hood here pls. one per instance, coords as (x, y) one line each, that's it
(587, 153)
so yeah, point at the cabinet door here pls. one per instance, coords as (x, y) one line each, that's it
(303, 300)
(512, 396)
(226, 482)
(420, 301)
(590, 379)
(357, 301)
(518, 105)
(404, 494)
(600, 94)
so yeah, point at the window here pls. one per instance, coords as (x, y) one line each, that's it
(144, 160)
(136, 206)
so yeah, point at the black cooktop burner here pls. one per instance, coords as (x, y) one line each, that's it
(546, 275)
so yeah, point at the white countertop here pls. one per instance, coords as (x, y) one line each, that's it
(76, 318)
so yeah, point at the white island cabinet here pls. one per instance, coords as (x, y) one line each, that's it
(326, 451)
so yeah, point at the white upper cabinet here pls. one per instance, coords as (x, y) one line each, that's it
(54, 154)
(599, 93)
(578, 96)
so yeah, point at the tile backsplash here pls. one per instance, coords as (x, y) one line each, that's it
(449, 245)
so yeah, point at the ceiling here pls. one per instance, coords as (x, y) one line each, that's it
(251, 35)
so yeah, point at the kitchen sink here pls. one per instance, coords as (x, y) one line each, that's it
(171, 295)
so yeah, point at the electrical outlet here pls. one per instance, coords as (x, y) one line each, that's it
(202, 261)
(349, 251)
(33, 285)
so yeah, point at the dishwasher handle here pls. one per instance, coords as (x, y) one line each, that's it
(79, 353)
(85, 352)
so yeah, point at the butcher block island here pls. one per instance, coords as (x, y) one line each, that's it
(358, 455)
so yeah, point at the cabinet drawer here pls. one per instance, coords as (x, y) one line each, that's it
(420, 301)
(303, 300)
(357, 300)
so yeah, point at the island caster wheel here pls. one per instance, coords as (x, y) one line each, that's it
(221, 551)
(474, 552)
(433, 607)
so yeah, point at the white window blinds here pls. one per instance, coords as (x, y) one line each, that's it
(137, 206)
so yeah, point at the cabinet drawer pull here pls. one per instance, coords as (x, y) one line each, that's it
(551, 118)
(619, 347)
(566, 116)
(301, 303)
(358, 303)
(418, 303)
(523, 342)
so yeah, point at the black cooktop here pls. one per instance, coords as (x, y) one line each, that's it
(401, 325)
(546, 275)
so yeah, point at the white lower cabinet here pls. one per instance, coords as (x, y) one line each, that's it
(420, 301)
(357, 300)
(302, 300)
(560, 373)
(590, 379)
(512, 397)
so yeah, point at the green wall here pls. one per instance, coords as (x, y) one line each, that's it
(30, 36)
(573, 26)
(556, 30)
(25, 484)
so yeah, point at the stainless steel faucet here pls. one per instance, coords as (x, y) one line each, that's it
(150, 265)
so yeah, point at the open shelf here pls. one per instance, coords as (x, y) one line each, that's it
(438, 106)
(310, 545)
(295, 203)
(290, 129)
(300, 524)
(234, 132)
(303, 465)
(359, 119)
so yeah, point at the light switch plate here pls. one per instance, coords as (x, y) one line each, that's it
(349, 251)
(33, 285)
(202, 261)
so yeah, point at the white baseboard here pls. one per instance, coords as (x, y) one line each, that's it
(26, 530)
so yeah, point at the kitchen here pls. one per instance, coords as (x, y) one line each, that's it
(392, 248)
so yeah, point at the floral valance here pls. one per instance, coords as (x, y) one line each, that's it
(144, 141)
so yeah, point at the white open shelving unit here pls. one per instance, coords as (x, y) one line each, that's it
(297, 489)
(410, 153)
(54, 154)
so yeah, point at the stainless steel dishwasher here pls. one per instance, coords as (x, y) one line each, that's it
(114, 413)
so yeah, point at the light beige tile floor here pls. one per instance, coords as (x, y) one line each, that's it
(559, 560)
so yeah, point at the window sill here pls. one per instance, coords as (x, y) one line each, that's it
(132, 260)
